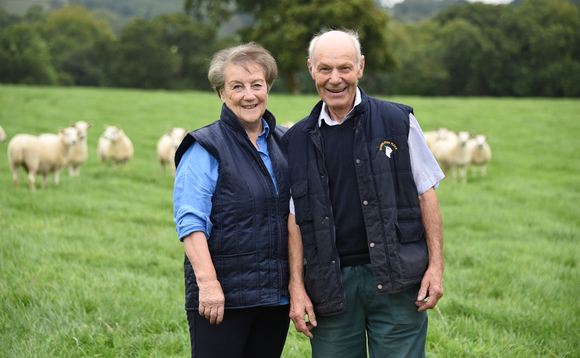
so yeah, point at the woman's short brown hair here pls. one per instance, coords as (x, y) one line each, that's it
(242, 55)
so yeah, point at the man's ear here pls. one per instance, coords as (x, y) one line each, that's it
(362, 67)
(309, 63)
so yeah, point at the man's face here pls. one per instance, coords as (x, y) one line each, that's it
(336, 72)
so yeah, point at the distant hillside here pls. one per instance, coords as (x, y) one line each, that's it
(406, 11)
(124, 8)
(417, 10)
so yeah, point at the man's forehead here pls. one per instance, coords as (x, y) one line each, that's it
(321, 61)
(333, 46)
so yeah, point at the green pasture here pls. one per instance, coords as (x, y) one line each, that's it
(93, 268)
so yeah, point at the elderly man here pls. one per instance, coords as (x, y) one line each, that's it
(365, 231)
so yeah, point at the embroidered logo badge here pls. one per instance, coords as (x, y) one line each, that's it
(387, 148)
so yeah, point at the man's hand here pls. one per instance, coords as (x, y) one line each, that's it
(211, 301)
(431, 289)
(300, 306)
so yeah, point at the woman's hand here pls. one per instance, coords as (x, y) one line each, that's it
(211, 301)
(211, 295)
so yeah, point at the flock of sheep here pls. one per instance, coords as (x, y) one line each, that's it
(51, 153)
(455, 151)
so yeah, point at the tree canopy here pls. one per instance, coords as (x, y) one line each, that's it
(286, 27)
(528, 49)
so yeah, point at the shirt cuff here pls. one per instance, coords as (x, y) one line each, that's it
(429, 182)
(191, 222)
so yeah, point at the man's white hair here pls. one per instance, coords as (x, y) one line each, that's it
(351, 33)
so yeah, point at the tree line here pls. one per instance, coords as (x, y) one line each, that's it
(71, 47)
(532, 49)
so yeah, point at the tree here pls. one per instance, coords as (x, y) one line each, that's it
(142, 59)
(478, 53)
(7, 19)
(548, 35)
(420, 69)
(194, 43)
(24, 57)
(285, 28)
(35, 14)
(530, 50)
(71, 33)
(417, 10)
(170, 51)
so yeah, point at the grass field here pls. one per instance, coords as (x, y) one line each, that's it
(93, 268)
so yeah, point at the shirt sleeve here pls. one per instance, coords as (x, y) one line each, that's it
(195, 183)
(291, 205)
(426, 170)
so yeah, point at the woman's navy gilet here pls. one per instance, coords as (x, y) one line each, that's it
(248, 241)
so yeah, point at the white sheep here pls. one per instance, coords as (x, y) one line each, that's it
(2, 135)
(114, 145)
(438, 134)
(453, 154)
(167, 146)
(45, 154)
(430, 138)
(480, 153)
(80, 152)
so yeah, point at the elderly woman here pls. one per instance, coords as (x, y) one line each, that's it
(230, 209)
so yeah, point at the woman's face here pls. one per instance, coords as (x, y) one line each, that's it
(245, 92)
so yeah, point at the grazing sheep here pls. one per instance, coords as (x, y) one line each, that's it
(430, 138)
(480, 153)
(438, 134)
(45, 154)
(80, 152)
(167, 145)
(2, 135)
(114, 145)
(453, 154)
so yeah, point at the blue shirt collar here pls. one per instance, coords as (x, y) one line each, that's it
(265, 128)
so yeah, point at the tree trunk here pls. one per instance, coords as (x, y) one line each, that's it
(292, 82)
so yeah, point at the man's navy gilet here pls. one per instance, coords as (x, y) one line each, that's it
(389, 202)
(249, 239)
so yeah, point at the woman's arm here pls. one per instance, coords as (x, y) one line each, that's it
(211, 296)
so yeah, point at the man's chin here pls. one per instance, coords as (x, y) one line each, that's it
(338, 103)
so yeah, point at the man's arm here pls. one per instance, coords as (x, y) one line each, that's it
(211, 296)
(432, 283)
(300, 304)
